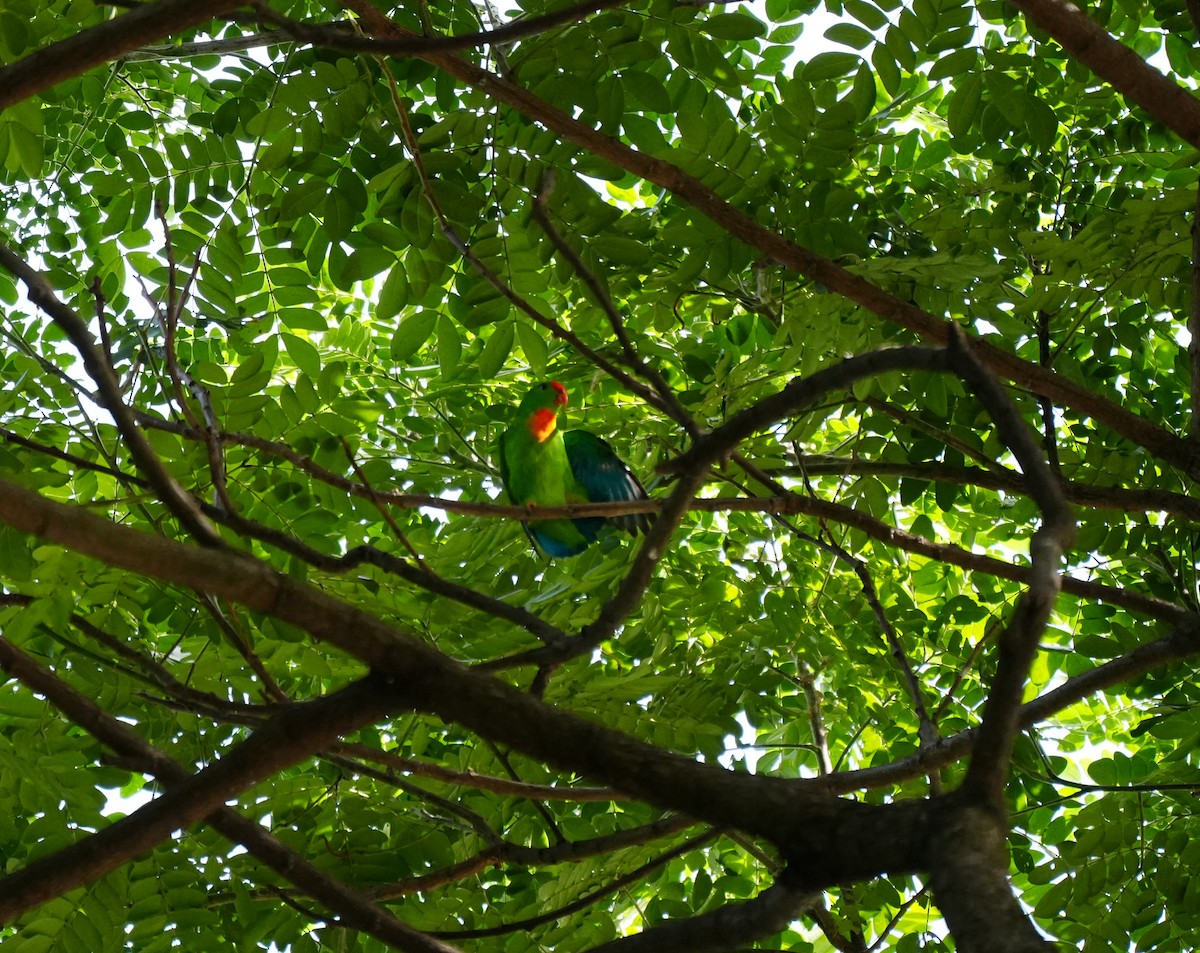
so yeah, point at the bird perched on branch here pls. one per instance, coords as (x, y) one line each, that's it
(542, 466)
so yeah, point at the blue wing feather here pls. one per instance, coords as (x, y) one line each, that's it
(605, 479)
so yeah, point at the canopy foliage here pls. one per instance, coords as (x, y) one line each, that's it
(867, 314)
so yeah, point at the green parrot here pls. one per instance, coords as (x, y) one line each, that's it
(542, 466)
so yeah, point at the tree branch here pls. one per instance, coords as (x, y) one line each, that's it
(181, 805)
(969, 877)
(505, 852)
(840, 839)
(798, 394)
(106, 41)
(1168, 102)
(177, 500)
(1194, 306)
(590, 898)
(335, 38)
(730, 927)
(1018, 643)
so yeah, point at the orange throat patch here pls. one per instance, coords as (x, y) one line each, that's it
(542, 424)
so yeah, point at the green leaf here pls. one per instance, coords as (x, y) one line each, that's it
(955, 64)
(303, 354)
(848, 34)
(734, 26)
(394, 294)
(866, 13)
(964, 105)
(449, 346)
(646, 91)
(532, 346)
(830, 66)
(495, 352)
(412, 332)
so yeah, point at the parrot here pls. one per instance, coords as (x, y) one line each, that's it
(542, 466)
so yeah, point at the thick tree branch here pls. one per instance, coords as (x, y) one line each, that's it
(1018, 643)
(1194, 314)
(89, 48)
(1127, 72)
(730, 927)
(969, 877)
(834, 840)
(335, 38)
(182, 805)
(799, 394)
(830, 275)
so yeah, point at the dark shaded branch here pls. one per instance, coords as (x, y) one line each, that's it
(590, 898)
(507, 853)
(224, 47)
(71, 458)
(482, 782)
(969, 877)
(336, 38)
(292, 735)
(106, 41)
(807, 683)
(799, 394)
(1018, 643)
(730, 927)
(185, 698)
(1049, 433)
(900, 914)
(241, 644)
(351, 907)
(836, 839)
(1194, 306)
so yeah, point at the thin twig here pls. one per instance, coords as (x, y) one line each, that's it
(632, 359)
(588, 899)
(927, 730)
(177, 500)
(383, 511)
